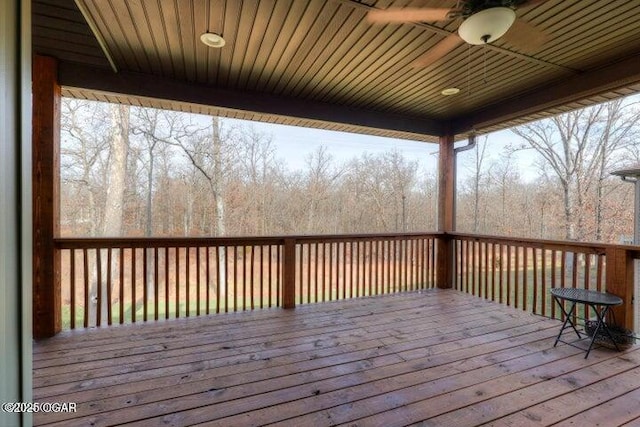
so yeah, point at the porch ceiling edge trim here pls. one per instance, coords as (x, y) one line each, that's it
(597, 81)
(149, 86)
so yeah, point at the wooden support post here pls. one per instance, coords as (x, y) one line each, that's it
(446, 212)
(46, 191)
(620, 268)
(289, 271)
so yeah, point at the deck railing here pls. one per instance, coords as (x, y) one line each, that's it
(127, 280)
(520, 272)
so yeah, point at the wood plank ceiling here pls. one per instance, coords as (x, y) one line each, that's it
(324, 53)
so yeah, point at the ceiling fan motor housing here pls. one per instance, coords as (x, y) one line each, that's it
(487, 25)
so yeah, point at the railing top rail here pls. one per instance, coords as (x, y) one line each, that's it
(585, 247)
(151, 242)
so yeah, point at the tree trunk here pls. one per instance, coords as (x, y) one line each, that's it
(114, 204)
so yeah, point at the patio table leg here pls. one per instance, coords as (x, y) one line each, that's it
(566, 320)
(601, 325)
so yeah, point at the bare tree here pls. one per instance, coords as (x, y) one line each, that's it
(114, 203)
(577, 147)
(84, 163)
(321, 176)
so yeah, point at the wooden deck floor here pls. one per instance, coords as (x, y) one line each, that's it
(439, 358)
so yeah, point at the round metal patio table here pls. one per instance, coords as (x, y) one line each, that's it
(600, 302)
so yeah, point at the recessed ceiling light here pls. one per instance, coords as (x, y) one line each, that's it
(212, 40)
(450, 91)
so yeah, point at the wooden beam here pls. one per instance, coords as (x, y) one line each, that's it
(446, 184)
(46, 190)
(446, 212)
(585, 85)
(148, 86)
(620, 271)
(289, 274)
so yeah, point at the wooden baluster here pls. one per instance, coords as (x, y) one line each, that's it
(155, 283)
(500, 273)
(308, 246)
(244, 273)
(85, 274)
(535, 282)
(421, 254)
(472, 267)
(72, 280)
(218, 278)
(121, 286)
(207, 279)
(574, 270)
(187, 281)
(368, 263)
(99, 287)
(394, 265)
(234, 252)
(252, 277)
(457, 264)
(177, 281)
(270, 278)
(407, 262)
(433, 263)
(516, 275)
(415, 262)
(228, 271)
(553, 280)
(387, 256)
(344, 270)
(336, 278)
(403, 264)
(599, 272)
(356, 269)
(467, 266)
(563, 269)
(485, 250)
(385, 267)
(145, 296)
(351, 270)
(324, 271)
(316, 269)
(198, 281)
(331, 285)
(493, 272)
(166, 282)
(109, 311)
(525, 281)
(279, 274)
(508, 274)
(300, 251)
(543, 290)
(587, 271)
(261, 281)
(373, 265)
(134, 283)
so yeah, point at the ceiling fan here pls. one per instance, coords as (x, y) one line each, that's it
(483, 21)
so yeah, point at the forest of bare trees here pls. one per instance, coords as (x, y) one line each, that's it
(133, 171)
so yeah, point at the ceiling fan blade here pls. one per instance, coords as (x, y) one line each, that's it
(530, 3)
(525, 37)
(441, 48)
(407, 14)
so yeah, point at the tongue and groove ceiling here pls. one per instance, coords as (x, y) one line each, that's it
(320, 63)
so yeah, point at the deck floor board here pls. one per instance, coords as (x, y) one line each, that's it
(437, 357)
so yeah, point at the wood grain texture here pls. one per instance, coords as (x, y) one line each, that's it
(327, 52)
(367, 361)
(45, 197)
